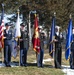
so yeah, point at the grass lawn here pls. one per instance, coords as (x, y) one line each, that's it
(32, 69)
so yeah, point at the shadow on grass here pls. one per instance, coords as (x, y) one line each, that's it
(32, 64)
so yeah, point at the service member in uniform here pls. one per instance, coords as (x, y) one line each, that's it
(7, 45)
(42, 39)
(58, 48)
(72, 51)
(24, 45)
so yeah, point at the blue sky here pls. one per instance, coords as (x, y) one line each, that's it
(5, 18)
(8, 16)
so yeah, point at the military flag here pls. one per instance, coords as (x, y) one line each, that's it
(35, 39)
(68, 40)
(52, 35)
(17, 27)
(17, 35)
(14, 49)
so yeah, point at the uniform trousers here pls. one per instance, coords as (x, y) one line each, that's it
(23, 57)
(7, 54)
(40, 58)
(72, 59)
(58, 55)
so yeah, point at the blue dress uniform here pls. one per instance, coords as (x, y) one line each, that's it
(24, 45)
(72, 53)
(7, 46)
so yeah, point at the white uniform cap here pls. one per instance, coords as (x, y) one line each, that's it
(40, 27)
(73, 30)
(57, 27)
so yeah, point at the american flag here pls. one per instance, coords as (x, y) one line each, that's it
(1, 30)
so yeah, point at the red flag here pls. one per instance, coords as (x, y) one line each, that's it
(36, 39)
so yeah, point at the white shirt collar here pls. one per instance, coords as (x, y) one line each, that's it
(57, 33)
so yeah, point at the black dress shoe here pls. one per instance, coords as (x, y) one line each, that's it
(42, 66)
(21, 64)
(8, 66)
(25, 65)
(58, 67)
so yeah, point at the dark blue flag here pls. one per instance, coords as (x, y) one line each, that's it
(68, 40)
(52, 35)
(2, 17)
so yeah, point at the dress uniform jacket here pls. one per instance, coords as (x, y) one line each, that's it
(58, 51)
(24, 45)
(72, 53)
(42, 39)
(7, 47)
(25, 42)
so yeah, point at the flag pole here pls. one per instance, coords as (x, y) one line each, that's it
(19, 50)
(54, 43)
(29, 30)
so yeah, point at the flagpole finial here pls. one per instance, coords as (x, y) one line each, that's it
(35, 15)
(70, 16)
(54, 13)
(18, 11)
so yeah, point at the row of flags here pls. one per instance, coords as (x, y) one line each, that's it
(36, 39)
(68, 39)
